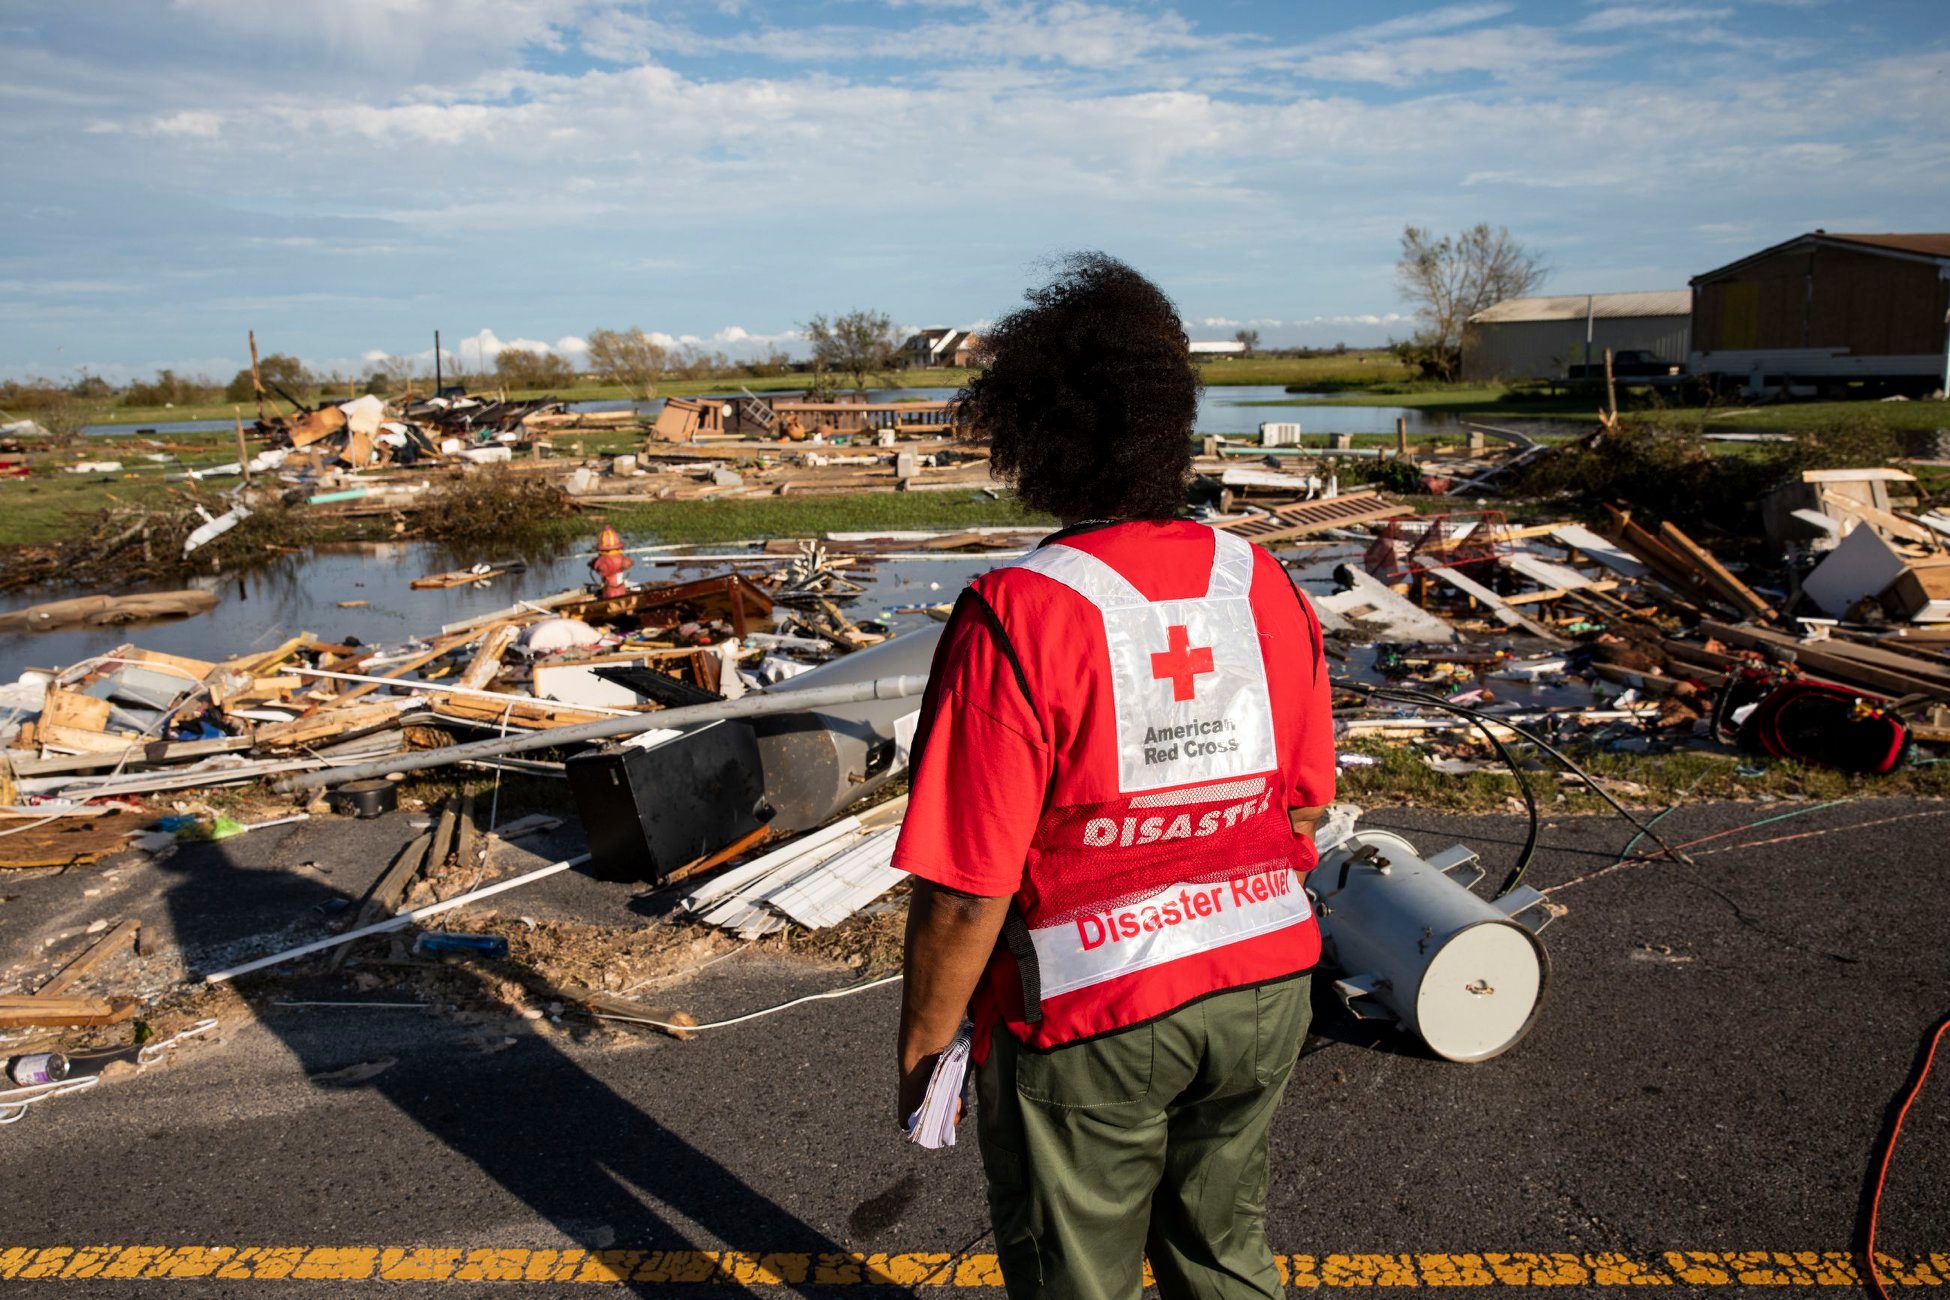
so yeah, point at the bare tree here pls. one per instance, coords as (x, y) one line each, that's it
(1248, 337)
(860, 344)
(394, 372)
(1452, 278)
(628, 357)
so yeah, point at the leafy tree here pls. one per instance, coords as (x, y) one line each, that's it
(1250, 338)
(628, 357)
(520, 368)
(860, 344)
(1452, 278)
(169, 389)
(287, 372)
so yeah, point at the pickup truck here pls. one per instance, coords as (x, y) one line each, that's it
(1632, 363)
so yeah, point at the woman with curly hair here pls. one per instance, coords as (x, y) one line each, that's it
(1124, 750)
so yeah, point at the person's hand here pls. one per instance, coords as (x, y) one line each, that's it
(914, 1087)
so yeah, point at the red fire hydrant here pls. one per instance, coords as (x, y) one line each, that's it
(611, 564)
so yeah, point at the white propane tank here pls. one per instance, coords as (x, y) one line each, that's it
(1414, 945)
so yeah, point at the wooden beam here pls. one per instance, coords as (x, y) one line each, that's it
(98, 952)
(1744, 598)
(387, 892)
(19, 1011)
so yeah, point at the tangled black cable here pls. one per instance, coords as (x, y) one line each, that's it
(1481, 720)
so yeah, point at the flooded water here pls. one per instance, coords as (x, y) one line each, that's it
(300, 593)
(1225, 408)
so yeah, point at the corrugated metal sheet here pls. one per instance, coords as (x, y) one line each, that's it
(1603, 306)
(818, 880)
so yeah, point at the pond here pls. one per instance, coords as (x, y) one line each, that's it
(301, 593)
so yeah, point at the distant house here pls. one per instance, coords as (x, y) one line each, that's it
(1542, 338)
(941, 347)
(1821, 310)
(1218, 348)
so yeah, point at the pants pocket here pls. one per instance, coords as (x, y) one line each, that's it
(1109, 1071)
(1282, 1012)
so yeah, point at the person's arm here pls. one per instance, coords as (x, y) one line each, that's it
(950, 936)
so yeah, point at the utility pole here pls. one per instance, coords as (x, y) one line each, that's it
(257, 380)
(436, 363)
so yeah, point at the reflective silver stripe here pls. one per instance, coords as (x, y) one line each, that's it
(1225, 792)
(1086, 575)
(1232, 566)
(1177, 921)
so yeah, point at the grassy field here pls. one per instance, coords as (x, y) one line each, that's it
(1488, 402)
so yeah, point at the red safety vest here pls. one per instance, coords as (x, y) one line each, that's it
(1164, 867)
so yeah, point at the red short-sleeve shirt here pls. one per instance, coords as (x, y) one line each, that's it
(982, 757)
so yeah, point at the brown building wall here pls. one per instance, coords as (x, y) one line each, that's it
(1824, 298)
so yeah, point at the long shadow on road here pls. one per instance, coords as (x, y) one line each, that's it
(580, 1155)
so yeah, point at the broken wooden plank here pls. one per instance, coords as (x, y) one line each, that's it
(1716, 575)
(1557, 593)
(1501, 609)
(74, 710)
(18, 1011)
(487, 660)
(122, 936)
(325, 724)
(1284, 523)
(389, 891)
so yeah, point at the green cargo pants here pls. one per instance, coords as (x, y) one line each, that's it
(1146, 1142)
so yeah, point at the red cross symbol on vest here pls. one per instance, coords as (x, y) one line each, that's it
(1180, 662)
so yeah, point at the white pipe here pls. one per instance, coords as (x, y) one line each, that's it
(398, 922)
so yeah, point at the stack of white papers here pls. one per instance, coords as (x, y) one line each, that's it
(933, 1125)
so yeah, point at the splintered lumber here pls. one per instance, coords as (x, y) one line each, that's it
(487, 660)
(517, 711)
(1715, 574)
(1557, 593)
(465, 834)
(440, 647)
(389, 891)
(122, 936)
(325, 724)
(258, 665)
(444, 829)
(1303, 518)
(67, 842)
(316, 426)
(1501, 609)
(19, 1011)
(1843, 662)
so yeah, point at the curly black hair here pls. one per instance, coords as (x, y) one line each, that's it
(1087, 395)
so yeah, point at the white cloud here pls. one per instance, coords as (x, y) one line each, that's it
(205, 126)
(570, 346)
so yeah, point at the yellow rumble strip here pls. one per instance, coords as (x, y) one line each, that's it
(1698, 1269)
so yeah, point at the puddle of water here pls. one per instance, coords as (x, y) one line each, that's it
(300, 593)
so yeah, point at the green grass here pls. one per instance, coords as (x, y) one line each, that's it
(699, 522)
(1492, 401)
(1402, 778)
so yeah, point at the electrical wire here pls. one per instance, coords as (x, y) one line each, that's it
(1889, 1151)
(848, 991)
(15, 1101)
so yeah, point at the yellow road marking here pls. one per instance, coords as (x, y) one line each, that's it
(1695, 1269)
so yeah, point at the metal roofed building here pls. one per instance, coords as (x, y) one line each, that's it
(1822, 310)
(1541, 338)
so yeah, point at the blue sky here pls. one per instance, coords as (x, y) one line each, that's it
(346, 175)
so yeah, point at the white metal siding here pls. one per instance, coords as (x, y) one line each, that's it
(1546, 349)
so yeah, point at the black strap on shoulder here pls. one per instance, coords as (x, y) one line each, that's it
(1015, 933)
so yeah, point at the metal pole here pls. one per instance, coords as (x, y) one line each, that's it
(808, 700)
(436, 363)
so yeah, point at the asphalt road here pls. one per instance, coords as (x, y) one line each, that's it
(1696, 1106)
